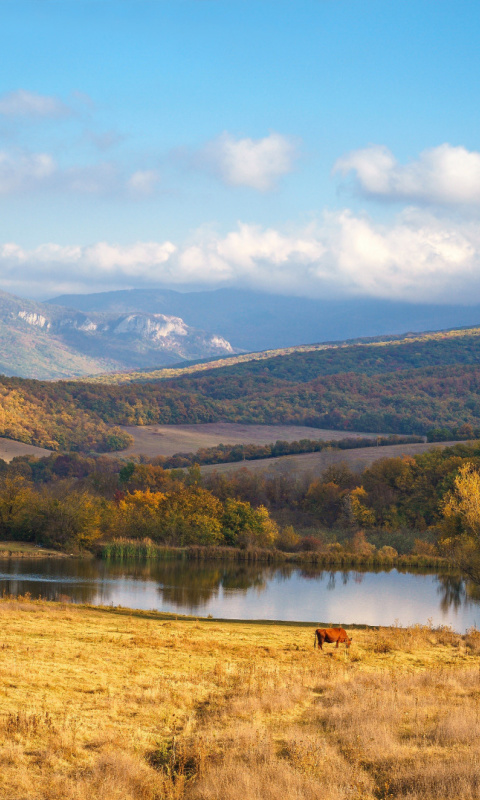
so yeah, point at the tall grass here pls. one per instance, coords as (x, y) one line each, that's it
(146, 550)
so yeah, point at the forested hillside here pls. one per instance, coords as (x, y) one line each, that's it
(306, 362)
(422, 385)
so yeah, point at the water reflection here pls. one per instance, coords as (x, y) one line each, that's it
(184, 587)
(229, 589)
(455, 592)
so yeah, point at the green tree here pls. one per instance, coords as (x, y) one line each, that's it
(244, 526)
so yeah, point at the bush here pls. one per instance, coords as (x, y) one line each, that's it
(310, 544)
(288, 540)
(422, 548)
(388, 552)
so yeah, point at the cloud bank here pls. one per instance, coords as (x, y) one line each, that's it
(443, 175)
(418, 258)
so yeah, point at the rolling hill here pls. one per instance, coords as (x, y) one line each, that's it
(422, 384)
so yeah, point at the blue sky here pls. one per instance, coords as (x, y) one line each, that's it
(316, 147)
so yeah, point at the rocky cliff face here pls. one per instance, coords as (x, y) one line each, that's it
(43, 341)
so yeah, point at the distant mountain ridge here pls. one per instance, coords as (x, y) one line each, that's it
(47, 341)
(254, 321)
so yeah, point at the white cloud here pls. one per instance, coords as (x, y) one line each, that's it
(143, 182)
(23, 171)
(419, 257)
(23, 103)
(256, 163)
(440, 175)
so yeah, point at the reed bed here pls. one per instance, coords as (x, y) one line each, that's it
(110, 703)
(146, 550)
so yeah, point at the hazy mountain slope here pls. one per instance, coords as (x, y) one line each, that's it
(259, 321)
(29, 348)
(48, 341)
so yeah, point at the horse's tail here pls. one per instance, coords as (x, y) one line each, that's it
(315, 639)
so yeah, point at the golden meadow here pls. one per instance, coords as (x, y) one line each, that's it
(124, 705)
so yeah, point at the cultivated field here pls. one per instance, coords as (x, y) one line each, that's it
(166, 440)
(9, 449)
(108, 704)
(315, 464)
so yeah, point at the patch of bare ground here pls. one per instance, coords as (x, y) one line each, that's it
(99, 704)
(167, 440)
(10, 449)
(315, 464)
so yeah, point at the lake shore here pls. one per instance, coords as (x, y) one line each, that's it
(121, 550)
(28, 550)
(145, 550)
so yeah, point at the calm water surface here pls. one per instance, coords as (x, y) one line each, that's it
(238, 591)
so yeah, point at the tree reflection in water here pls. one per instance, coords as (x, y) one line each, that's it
(455, 592)
(183, 586)
(52, 579)
(187, 585)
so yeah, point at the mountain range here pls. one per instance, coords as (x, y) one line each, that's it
(106, 332)
(47, 341)
(254, 321)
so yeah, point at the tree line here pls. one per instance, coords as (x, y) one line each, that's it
(228, 453)
(405, 504)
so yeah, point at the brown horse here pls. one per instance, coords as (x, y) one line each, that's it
(331, 635)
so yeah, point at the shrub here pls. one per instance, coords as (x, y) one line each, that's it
(310, 544)
(388, 552)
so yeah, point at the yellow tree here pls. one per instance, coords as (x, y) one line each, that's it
(460, 527)
(363, 515)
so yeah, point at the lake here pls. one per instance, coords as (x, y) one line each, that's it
(238, 591)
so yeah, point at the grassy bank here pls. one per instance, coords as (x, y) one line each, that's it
(125, 549)
(105, 703)
(28, 550)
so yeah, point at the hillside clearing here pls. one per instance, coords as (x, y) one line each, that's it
(314, 464)
(10, 449)
(108, 703)
(167, 440)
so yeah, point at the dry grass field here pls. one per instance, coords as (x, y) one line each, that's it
(121, 705)
(9, 449)
(314, 464)
(166, 440)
